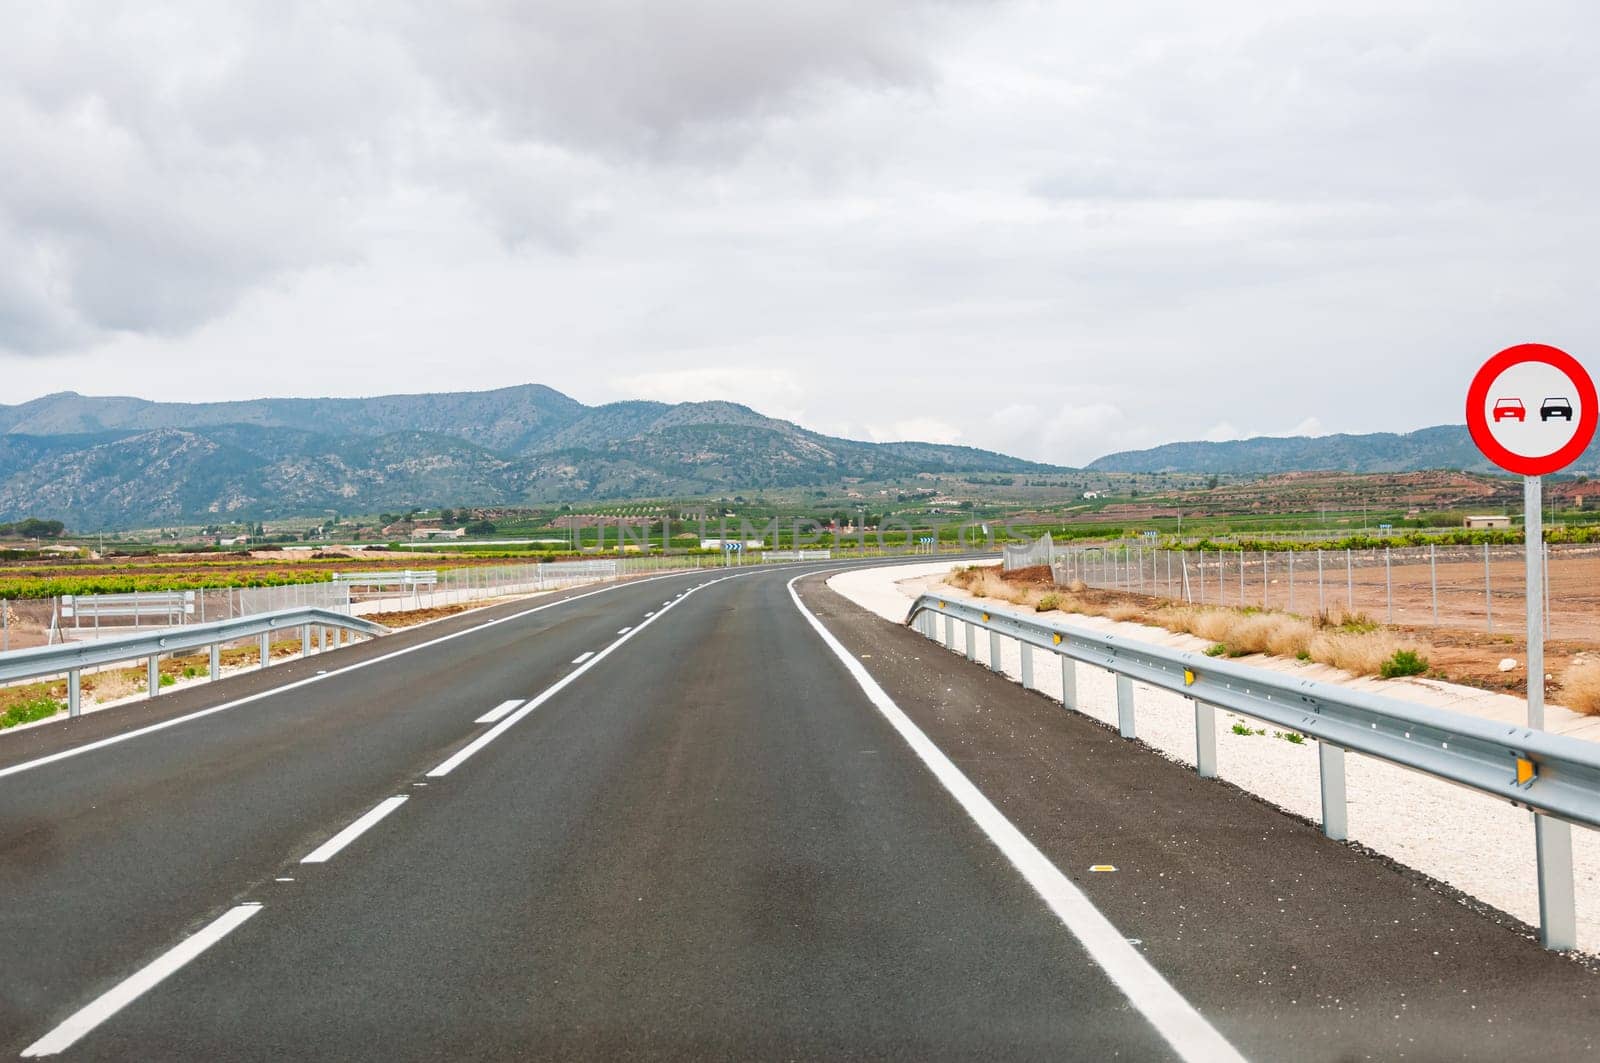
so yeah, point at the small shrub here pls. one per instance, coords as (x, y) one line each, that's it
(1580, 687)
(1216, 649)
(1077, 586)
(1047, 603)
(1293, 738)
(1303, 655)
(40, 708)
(1404, 662)
(1245, 729)
(168, 680)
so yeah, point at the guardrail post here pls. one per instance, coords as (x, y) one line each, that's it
(216, 661)
(949, 632)
(1027, 664)
(1069, 682)
(972, 640)
(305, 640)
(152, 674)
(1205, 739)
(1125, 706)
(1558, 916)
(322, 638)
(266, 648)
(994, 651)
(1335, 817)
(74, 693)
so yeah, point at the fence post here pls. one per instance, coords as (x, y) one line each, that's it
(1205, 739)
(1330, 764)
(1349, 582)
(1124, 706)
(1322, 601)
(1241, 579)
(1488, 590)
(1433, 579)
(1292, 552)
(1026, 649)
(1263, 579)
(1388, 585)
(5, 625)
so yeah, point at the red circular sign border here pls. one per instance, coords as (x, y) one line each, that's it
(1478, 422)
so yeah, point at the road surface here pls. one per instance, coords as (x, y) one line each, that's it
(670, 819)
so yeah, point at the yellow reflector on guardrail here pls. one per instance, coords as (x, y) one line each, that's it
(1526, 771)
(1057, 638)
(1188, 677)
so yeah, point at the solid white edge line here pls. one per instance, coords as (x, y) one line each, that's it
(1184, 1028)
(140, 982)
(498, 711)
(455, 760)
(584, 656)
(326, 851)
(88, 747)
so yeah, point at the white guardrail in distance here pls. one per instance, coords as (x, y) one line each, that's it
(72, 658)
(1554, 775)
(406, 578)
(796, 555)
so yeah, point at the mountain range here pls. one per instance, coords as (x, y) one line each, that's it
(123, 462)
(1447, 446)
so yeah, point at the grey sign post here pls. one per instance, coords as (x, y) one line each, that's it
(1532, 410)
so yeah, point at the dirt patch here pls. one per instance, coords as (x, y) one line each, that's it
(413, 617)
(1349, 640)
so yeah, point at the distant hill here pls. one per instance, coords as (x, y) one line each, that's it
(124, 462)
(1446, 446)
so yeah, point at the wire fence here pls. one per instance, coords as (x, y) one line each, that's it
(47, 621)
(1478, 587)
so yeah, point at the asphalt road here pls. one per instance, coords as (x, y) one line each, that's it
(702, 837)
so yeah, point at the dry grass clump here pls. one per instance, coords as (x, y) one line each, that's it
(1580, 686)
(1360, 652)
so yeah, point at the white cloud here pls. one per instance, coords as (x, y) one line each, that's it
(1115, 225)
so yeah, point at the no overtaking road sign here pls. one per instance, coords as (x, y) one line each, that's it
(1532, 410)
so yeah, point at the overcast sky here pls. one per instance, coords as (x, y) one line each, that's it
(1053, 229)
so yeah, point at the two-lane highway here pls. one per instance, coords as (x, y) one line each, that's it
(678, 818)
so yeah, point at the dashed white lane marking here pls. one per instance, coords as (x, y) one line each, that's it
(624, 630)
(455, 760)
(650, 614)
(325, 852)
(498, 711)
(584, 656)
(138, 732)
(140, 982)
(1174, 1018)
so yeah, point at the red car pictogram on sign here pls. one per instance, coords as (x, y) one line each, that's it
(1512, 408)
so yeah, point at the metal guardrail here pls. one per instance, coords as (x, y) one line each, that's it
(1553, 775)
(72, 658)
(406, 578)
